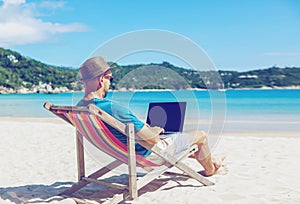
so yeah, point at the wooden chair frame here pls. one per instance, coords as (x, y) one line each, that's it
(130, 190)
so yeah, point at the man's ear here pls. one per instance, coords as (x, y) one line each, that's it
(100, 81)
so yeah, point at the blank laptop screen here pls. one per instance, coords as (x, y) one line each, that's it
(168, 115)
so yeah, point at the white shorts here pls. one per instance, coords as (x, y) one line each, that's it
(172, 144)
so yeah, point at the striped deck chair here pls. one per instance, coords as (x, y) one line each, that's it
(91, 123)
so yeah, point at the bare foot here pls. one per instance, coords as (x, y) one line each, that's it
(219, 168)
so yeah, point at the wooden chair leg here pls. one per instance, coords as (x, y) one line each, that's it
(131, 162)
(80, 156)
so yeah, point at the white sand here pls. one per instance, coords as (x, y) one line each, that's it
(38, 161)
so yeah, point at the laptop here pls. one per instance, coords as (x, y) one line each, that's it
(168, 115)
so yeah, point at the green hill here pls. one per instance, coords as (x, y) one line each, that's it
(19, 73)
(274, 77)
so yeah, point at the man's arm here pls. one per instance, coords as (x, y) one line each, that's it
(150, 134)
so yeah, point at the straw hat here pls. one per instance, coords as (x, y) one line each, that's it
(93, 67)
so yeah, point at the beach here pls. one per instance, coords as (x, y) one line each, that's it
(38, 161)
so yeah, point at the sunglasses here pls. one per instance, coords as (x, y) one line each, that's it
(109, 77)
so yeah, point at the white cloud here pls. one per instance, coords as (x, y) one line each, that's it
(6, 3)
(19, 25)
(52, 4)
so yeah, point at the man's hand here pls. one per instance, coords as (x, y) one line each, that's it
(157, 130)
(150, 134)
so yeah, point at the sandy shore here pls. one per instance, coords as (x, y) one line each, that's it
(38, 161)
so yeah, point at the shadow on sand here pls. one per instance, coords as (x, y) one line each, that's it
(39, 193)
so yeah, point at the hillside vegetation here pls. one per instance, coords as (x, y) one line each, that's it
(22, 74)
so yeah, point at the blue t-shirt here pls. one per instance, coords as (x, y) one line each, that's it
(122, 114)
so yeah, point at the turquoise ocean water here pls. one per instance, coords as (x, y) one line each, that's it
(243, 109)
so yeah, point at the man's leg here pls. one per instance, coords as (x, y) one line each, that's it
(203, 155)
(177, 143)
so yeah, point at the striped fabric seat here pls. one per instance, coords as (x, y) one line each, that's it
(96, 132)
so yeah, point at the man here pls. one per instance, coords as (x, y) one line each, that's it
(97, 77)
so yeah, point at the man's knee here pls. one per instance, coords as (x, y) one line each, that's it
(201, 136)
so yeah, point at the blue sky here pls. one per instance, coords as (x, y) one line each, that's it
(235, 34)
